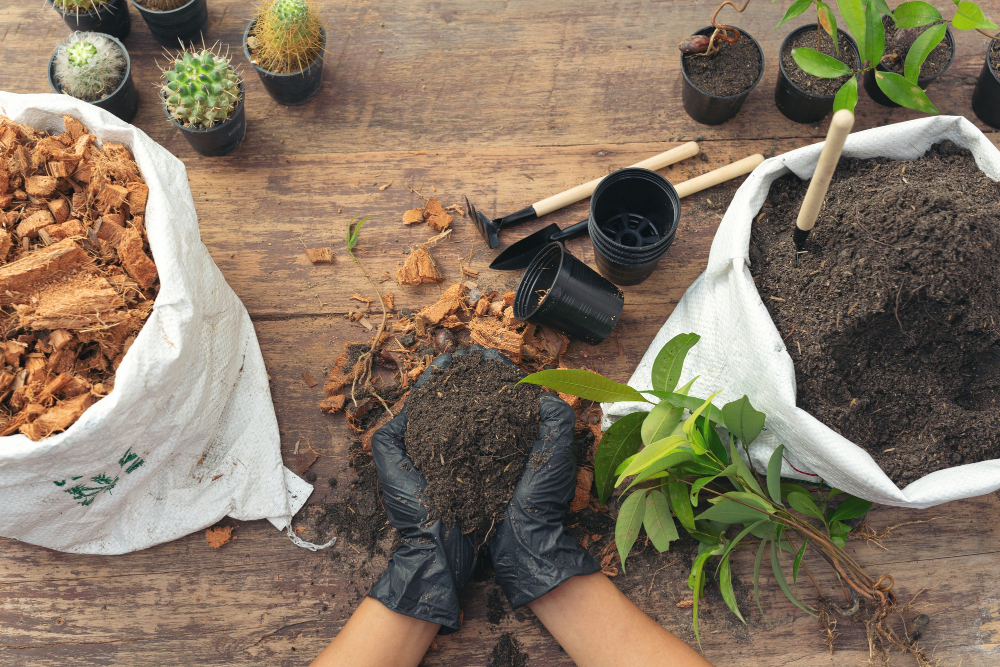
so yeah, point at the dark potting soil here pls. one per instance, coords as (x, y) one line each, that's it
(360, 518)
(496, 611)
(808, 82)
(897, 45)
(995, 56)
(470, 429)
(507, 653)
(729, 72)
(892, 316)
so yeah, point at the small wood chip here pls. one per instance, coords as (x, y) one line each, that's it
(309, 380)
(472, 273)
(413, 216)
(382, 188)
(320, 255)
(219, 536)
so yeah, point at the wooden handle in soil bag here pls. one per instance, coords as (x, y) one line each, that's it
(840, 127)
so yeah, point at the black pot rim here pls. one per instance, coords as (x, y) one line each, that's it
(925, 80)
(760, 74)
(781, 63)
(989, 64)
(128, 71)
(161, 12)
(668, 234)
(193, 130)
(544, 254)
(278, 75)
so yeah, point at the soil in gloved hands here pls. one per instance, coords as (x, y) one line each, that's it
(470, 428)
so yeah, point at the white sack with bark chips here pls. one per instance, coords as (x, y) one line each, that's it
(741, 351)
(188, 435)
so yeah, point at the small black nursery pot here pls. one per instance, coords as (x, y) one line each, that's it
(220, 139)
(188, 23)
(111, 19)
(874, 92)
(986, 96)
(294, 88)
(563, 293)
(712, 109)
(633, 219)
(796, 103)
(123, 101)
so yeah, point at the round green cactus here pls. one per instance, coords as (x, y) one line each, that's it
(287, 35)
(80, 6)
(201, 89)
(88, 66)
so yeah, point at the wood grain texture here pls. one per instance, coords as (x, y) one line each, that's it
(508, 103)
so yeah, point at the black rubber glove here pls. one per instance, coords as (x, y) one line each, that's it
(532, 554)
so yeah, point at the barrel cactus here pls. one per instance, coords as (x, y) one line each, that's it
(201, 88)
(287, 35)
(80, 6)
(89, 66)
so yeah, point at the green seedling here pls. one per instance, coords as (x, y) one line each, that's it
(200, 88)
(287, 35)
(88, 66)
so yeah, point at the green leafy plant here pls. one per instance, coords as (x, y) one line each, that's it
(88, 66)
(825, 20)
(353, 230)
(200, 88)
(287, 35)
(80, 6)
(686, 460)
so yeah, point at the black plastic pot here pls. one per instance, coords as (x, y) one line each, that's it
(795, 103)
(112, 19)
(874, 92)
(220, 139)
(715, 109)
(289, 89)
(563, 293)
(986, 96)
(123, 102)
(633, 219)
(188, 23)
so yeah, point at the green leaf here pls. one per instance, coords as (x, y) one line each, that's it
(921, 48)
(650, 454)
(756, 573)
(853, 13)
(730, 511)
(743, 533)
(883, 8)
(692, 422)
(839, 541)
(726, 588)
(742, 420)
(683, 391)
(745, 475)
(669, 363)
(661, 422)
(624, 464)
(839, 529)
(847, 95)
(774, 474)
(788, 487)
(798, 561)
(677, 492)
(629, 521)
(657, 521)
(903, 92)
(806, 505)
(819, 64)
(696, 581)
(619, 442)
(829, 23)
(586, 385)
(672, 459)
(353, 230)
(969, 16)
(779, 576)
(874, 33)
(699, 484)
(798, 7)
(852, 508)
(750, 499)
(915, 14)
(691, 403)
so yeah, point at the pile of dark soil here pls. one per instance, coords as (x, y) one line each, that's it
(360, 519)
(729, 72)
(808, 82)
(469, 431)
(897, 45)
(507, 653)
(892, 316)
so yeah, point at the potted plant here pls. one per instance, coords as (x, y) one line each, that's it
(108, 16)
(95, 68)
(173, 20)
(720, 65)
(203, 96)
(800, 96)
(285, 44)
(986, 96)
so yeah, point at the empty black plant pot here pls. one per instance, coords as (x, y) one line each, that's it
(123, 101)
(797, 103)
(633, 219)
(874, 92)
(563, 293)
(188, 23)
(986, 96)
(294, 88)
(712, 109)
(111, 18)
(220, 139)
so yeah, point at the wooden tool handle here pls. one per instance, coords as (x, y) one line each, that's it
(573, 195)
(840, 127)
(720, 175)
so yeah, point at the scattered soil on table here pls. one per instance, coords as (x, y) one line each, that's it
(808, 82)
(469, 431)
(892, 316)
(897, 45)
(496, 610)
(507, 653)
(729, 72)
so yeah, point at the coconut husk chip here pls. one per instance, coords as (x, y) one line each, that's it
(419, 268)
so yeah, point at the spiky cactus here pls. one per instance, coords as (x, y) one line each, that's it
(80, 6)
(89, 66)
(288, 35)
(201, 89)
(162, 5)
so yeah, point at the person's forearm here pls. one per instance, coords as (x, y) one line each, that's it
(376, 636)
(584, 611)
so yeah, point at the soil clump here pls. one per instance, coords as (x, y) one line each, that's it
(729, 72)
(808, 82)
(891, 316)
(897, 45)
(507, 653)
(470, 429)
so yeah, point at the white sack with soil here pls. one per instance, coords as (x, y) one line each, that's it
(741, 352)
(188, 435)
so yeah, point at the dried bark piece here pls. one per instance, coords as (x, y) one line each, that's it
(482, 306)
(138, 194)
(68, 229)
(508, 317)
(135, 261)
(219, 536)
(508, 298)
(111, 196)
(389, 300)
(496, 308)
(581, 498)
(21, 277)
(448, 304)
(320, 255)
(74, 128)
(29, 226)
(81, 301)
(332, 404)
(419, 268)
(6, 242)
(413, 216)
(109, 230)
(490, 333)
(436, 216)
(59, 208)
(40, 186)
(12, 351)
(309, 379)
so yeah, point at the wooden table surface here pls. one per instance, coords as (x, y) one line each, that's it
(506, 102)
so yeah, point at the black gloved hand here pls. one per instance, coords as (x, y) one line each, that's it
(532, 554)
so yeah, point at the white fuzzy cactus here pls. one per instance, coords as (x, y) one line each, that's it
(89, 66)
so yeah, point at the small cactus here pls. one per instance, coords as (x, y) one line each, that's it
(89, 66)
(287, 35)
(201, 89)
(80, 6)
(162, 5)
